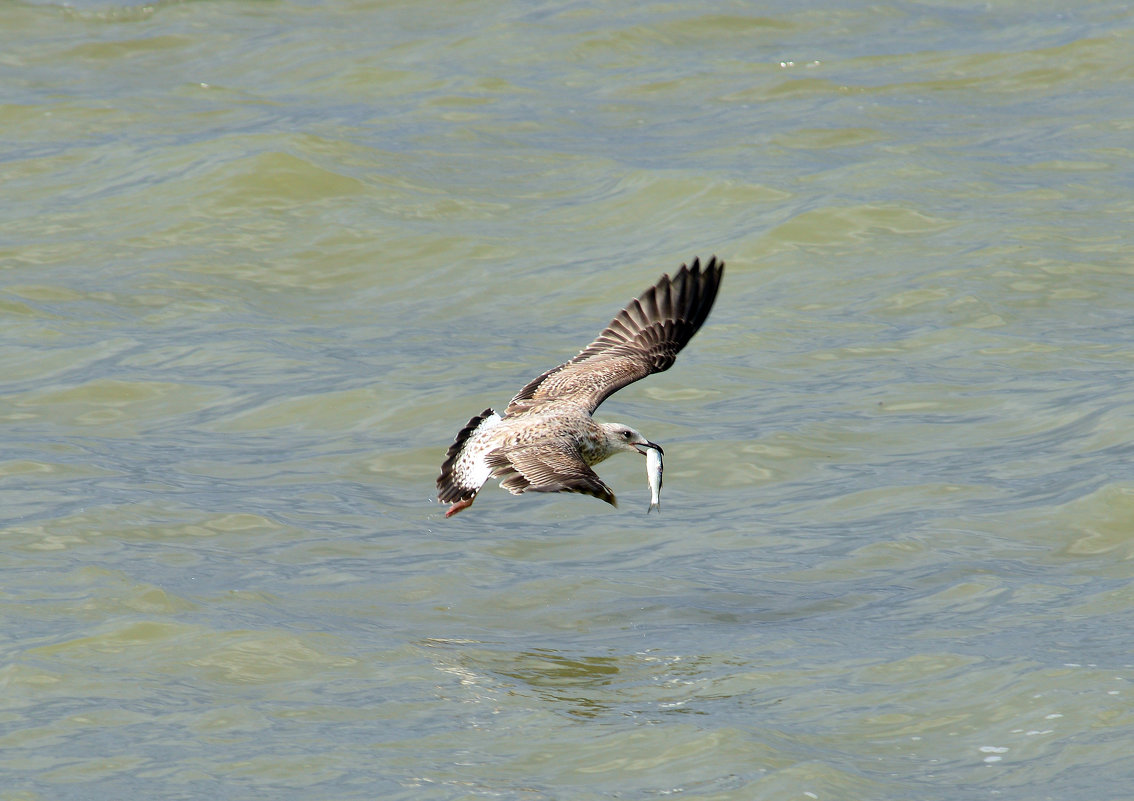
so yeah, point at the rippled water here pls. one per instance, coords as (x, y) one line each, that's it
(261, 261)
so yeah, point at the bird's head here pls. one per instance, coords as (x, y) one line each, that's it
(621, 437)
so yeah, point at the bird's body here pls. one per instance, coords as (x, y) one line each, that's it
(546, 440)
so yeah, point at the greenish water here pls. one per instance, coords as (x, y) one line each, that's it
(259, 262)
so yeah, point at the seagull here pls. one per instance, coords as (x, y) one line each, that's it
(546, 440)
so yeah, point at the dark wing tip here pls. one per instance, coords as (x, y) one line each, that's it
(696, 289)
(595, 488)
(686, 300)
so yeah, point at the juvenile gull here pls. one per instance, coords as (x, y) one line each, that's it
(546, 440)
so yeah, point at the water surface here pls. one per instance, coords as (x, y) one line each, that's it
(259, 262)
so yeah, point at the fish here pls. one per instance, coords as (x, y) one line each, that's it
(654, 476)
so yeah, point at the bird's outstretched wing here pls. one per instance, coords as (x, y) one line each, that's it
(643, 338)
(549, 466)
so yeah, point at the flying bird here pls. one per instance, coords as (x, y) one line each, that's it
(546, 440)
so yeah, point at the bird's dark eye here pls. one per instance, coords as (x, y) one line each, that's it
(626, 434)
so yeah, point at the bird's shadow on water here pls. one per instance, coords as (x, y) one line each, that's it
(624, 630)
(649, 658)
(577, 685)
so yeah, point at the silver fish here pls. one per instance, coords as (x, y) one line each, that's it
(654, 475)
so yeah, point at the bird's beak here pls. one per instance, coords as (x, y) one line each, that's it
(649, 444)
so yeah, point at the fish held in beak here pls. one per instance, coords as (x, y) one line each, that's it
(654, 476)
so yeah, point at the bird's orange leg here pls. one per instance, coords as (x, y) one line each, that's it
(458, 506)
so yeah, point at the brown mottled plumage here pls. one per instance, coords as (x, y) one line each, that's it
(546, 440)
